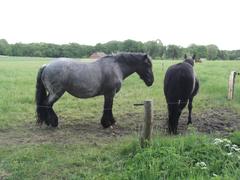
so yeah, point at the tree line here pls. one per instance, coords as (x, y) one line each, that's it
(155, 49)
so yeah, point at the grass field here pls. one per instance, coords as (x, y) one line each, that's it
(80, 149)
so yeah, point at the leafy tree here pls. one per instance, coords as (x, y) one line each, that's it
(132, 46)
(174, 52)
(200, 51)
(112, 47)
(5, 49)
(154, 48)
(75, 50)
(100, 48)
(224, 55)
(18, 49)
(234, 55)
(212, 52)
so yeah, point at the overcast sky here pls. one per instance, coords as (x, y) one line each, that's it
(179, 22)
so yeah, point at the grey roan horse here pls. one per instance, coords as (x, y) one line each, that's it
(85, 80)
(180, 86)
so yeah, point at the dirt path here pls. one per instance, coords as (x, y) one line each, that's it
(222, 121)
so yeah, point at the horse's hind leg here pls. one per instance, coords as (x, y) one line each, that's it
(181, 106)
(52, 118)
(172, 117)
(107, 117)
(190, 111)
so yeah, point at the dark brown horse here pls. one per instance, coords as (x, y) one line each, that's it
(180, 86)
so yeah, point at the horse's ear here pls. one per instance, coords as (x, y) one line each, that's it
(145, 57)
(194, 56)
(185, 56)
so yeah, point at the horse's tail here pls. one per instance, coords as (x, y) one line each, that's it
(40, 96)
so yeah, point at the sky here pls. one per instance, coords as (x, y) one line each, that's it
(180, 22)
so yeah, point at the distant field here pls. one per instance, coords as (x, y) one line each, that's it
(23, 144)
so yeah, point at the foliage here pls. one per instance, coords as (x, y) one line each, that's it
(235, 137)
(212, 52)
(5, 48)
(154, 48)
(132, 46)
(199, 51)
(174, 52)
(187, 157)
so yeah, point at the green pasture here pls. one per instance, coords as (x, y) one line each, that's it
(18, 78)
(110, 157)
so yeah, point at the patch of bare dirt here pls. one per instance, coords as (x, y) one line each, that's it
(221, 121)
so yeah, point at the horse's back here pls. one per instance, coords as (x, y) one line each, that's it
(82, 80)
(179, 81)
(79, 79)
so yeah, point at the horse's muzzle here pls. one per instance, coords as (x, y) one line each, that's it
(148, 78)
(149, 82)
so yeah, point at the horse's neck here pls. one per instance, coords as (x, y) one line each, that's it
(126, 70)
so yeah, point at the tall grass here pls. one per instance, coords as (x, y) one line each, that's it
(193, 156)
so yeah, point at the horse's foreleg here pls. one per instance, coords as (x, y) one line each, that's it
(190, 111)
(107, 118)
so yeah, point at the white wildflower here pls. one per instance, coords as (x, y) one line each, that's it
(214, 175)
(217, 141)
(229, 154)
(227, 141)
(235, 148)
(202, 165)
(227, 145)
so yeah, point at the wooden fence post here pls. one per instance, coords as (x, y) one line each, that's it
(148, 123)
(231, 83)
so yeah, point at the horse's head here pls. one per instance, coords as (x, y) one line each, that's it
(144, 69)
(189, 60)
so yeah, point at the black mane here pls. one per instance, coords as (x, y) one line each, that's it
(130, 58)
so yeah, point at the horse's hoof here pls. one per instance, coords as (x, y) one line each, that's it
(105, 124)
(54, 123)
(54, 126)
(112, 121)
(39, 123)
